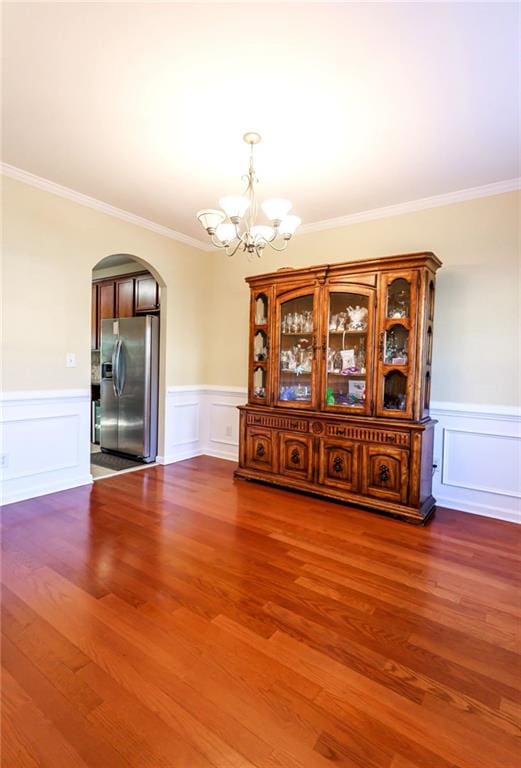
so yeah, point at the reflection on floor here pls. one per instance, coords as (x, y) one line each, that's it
(99, 473)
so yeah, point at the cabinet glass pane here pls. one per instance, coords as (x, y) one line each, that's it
(261, 309)
(396, 345)
(260, 346)
(347, 350)
(296, 349)
(398, 298)
(259, 382)
(395, 388)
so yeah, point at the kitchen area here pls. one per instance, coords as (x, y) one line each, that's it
(124, 366)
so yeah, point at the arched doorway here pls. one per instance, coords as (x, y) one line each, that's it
(128, 326)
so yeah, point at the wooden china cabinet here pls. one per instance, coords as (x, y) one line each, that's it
(339, 383)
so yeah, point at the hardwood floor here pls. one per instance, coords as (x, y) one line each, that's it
(175, 618)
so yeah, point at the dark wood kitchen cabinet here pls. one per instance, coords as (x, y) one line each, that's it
(125, 296)
(339, 383)
(146, 294)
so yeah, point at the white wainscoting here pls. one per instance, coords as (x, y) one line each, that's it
(45, 442)
(477, 449)
(478, 452)
(45, 439)
(202, 420)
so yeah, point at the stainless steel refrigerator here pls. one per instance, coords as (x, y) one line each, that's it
(129, 385)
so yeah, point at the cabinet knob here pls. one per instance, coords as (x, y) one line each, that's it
(295, 456)
(260, 450)
(384, 473)
(338, 464)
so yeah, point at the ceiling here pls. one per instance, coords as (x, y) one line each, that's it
(359, 105)
(116, 260)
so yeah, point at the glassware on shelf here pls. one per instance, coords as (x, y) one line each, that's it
(298, 322)
(298, 392)
(396, 343)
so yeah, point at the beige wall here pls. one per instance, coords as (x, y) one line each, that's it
(50, 246)
(476, 347)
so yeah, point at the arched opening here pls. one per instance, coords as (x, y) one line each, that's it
(128, 335)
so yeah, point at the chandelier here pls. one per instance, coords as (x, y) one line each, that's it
(234, 227)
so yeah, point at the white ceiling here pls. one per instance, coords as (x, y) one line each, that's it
(360, 105)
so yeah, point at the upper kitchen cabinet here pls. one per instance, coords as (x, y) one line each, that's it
(124, 296)
(146, 294)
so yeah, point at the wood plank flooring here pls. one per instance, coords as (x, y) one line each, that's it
(174, 618)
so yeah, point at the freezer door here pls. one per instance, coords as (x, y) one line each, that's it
(108, 397)
(136, 362)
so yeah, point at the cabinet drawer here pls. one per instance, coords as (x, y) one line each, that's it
(296, 455)
(261, 449)
(339, 464)
(385, 473)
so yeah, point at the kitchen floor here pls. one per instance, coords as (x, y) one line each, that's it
(96, 471)
(99, 473)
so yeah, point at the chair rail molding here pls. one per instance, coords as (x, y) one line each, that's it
(45, 438)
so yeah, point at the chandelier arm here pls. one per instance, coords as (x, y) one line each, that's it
(275, 248)
(235, 249)
(217, 243)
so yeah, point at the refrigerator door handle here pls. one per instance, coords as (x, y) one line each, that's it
(120, 369)
(115, 363)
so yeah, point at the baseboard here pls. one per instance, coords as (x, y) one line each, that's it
(476, 508)
(43, 490)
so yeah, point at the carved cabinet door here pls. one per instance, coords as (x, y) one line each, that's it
(296, 455)
(339, 464)
(385, 473)
(261, 450)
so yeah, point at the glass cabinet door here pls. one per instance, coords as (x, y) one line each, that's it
(395, 351)
(348, 350)
(259, 352)
(296, 324)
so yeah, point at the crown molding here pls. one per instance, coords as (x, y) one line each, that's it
(98, 205)
(487, 190)
(436, 201)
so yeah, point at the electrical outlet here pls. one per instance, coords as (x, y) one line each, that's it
(228, 431)
(436, 465)
(70, 360)
(4, 460)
